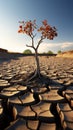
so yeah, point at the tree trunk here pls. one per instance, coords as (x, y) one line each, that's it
(37, 64)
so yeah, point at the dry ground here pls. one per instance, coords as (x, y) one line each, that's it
(36, 106)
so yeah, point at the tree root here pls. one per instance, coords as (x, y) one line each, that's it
(38, 78)
(33, 76)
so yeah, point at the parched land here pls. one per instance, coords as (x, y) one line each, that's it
(66, 54)
(26, 105)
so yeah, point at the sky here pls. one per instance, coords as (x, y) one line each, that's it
(58, 13)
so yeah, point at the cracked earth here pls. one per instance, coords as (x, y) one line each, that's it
(36, 105)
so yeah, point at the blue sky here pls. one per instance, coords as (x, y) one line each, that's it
(59, 13)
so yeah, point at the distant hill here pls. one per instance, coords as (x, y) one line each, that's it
(6, 55)
(3, 50)
(66, 54)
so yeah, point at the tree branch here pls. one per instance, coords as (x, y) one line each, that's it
(32, 41)
(30, 46)
(32, 38)
(40, 41)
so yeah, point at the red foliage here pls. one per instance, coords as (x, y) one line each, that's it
(27, 27)
(46, 30)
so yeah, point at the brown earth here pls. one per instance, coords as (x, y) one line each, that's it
(40, 104)
(66, 54)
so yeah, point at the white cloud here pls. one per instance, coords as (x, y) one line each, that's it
(44, 47)
(67, 45)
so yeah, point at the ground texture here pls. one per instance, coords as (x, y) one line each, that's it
(40, 104)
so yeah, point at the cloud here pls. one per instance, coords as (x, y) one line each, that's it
(67, 45)
(16, 44)
(45, 47)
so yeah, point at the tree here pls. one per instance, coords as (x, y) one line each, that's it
(46, 31)
(50, 52)
(59, 52)
(27, 51)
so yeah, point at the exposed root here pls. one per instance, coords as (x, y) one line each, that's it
(33, 76)
(36, 80)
